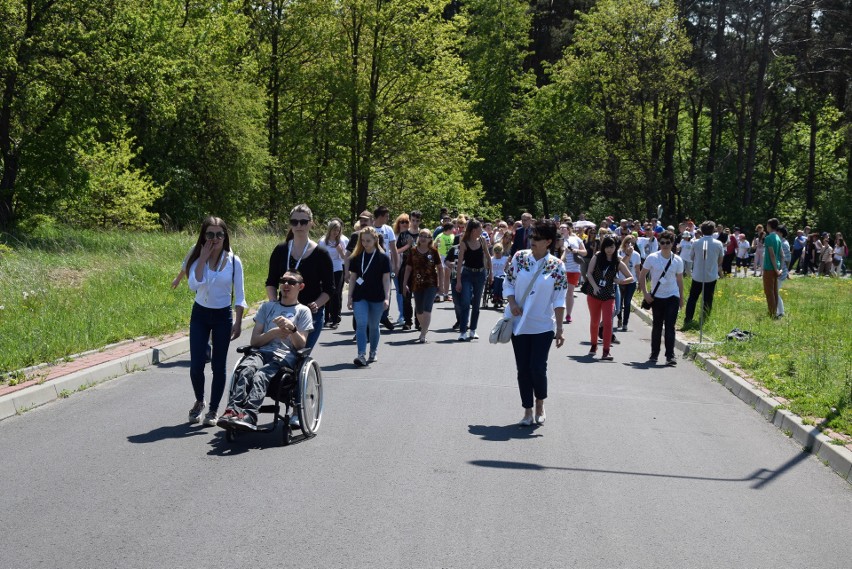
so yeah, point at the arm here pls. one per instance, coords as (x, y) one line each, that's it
(628, 276)
(326, 274)
(352, 278)
(275, 265)
(239, 298)
(460, 264)
(387, 287)
(394, 256)
(679, 277)
(487, 257)
(773, 259)
(405, 277)
(643, 279)
(590, 272)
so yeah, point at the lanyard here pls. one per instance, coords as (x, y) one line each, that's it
(290, 253)
(364, 270)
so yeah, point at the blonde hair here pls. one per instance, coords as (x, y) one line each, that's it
(359, 247)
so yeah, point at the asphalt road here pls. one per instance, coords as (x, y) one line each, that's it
(419, 463)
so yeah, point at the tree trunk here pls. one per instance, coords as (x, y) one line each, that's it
(715, 104)
(810, 181)
(669, 183)
(759, 98)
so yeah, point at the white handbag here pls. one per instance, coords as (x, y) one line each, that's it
(501, 333)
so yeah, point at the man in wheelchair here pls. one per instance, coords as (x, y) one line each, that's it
(281, 328)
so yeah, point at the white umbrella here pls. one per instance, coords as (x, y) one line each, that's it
(582, 224)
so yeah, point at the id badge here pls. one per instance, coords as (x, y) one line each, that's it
(602, 283)
(359, 281)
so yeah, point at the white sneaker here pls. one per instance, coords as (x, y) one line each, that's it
(360, 361)
(472, 335)
(527, 421)
(195, 412)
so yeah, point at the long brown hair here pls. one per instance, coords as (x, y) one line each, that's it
(202, 239)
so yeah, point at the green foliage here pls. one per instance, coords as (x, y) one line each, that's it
(112, 192)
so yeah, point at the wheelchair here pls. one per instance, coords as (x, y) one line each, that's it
(489, 296)
(299, 390)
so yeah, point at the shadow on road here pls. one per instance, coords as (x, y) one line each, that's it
(177, 363)
(249, 441)
(503, 433)
(761, 476)
(643, 365)
(180, 431)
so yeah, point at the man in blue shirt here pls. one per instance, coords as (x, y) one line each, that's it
(798, 248)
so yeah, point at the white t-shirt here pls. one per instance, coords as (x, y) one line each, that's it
(572, 242)
(388, 236)
(656, 264)
(686, 249)
(299, 314)
(498, 266)
(641, 244)
(632, 263)
(742, 249)
(336, 259)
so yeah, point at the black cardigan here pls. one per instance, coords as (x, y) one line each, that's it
(317, 271)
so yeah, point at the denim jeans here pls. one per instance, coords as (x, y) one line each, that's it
(319, 320)
(627, 292)
(470, 297)
(531, 351)
(367, 317)
(203, 322)
(664, 312)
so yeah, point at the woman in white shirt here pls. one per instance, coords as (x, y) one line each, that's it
(216, 276)
(632, 259)
(538, 277)
(335, 242)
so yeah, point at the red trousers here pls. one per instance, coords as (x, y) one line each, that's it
(600, 309)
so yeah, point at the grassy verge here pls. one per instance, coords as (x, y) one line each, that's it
(805, 357)
(64, 291)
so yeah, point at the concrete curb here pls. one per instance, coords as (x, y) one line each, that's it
(21, 401)
(839, 458)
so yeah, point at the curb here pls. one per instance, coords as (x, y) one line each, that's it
(23, 400)
(839, 458)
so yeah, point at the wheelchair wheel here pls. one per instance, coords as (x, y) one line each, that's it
(310, 396)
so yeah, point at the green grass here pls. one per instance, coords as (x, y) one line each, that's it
(64, 291)
(805, 357)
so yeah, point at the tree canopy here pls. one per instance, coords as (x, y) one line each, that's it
(135, 113)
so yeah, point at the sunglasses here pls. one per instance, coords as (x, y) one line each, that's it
(665, 242)
(218, 235)
(403, 223)
(291, 282)
(295, 222)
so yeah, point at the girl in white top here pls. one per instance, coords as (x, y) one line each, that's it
(335, 242)
(216, 276)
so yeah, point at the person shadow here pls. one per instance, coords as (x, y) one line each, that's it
(504, 433)
(179, 431)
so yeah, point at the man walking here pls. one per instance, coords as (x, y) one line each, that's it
(522, 235)
(707, 254)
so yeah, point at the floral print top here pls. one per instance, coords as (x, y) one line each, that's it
(547, 292)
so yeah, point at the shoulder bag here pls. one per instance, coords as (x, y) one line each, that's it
(501, 333)
(645, 304)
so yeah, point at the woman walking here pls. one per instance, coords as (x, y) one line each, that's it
(404, 242)
(369, 292)
(335, 243)
(601, 279)
(666, 296)
(216, 276)
(632, 259)
(300, 253)
(423, 272)
(535, 287)
(573, 258)
(474, 267)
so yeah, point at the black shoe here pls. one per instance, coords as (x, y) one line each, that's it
(615, 340)
(671, 362)
(456, 326)
(244, 422)
(652, 359)
(406, 327)
(387, 323)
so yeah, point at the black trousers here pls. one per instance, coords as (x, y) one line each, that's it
(694, 294)
(664, 312)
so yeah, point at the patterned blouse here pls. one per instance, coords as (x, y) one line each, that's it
(546, 294)
(424, 271)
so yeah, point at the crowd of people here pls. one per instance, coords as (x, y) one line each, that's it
(529, 268)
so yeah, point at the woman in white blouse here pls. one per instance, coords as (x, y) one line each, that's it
(216, 276)
(536, 278)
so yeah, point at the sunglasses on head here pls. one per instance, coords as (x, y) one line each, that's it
(295, 222)
(217, 235)
(290, 282)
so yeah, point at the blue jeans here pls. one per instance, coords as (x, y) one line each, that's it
(319, 321)
(531, 351)
(367, 317)
(627, 292)
(203, 322)
(470, 298)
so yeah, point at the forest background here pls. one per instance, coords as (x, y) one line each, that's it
(151, 113)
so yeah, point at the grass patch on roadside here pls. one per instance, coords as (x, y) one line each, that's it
(64, 291)
(805, 357)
